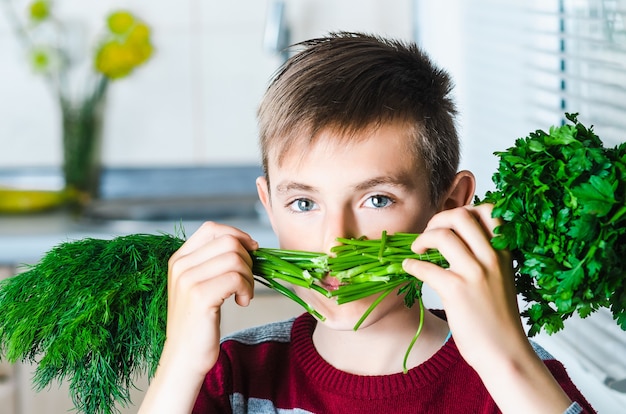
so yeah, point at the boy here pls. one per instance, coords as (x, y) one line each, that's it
(357, 136)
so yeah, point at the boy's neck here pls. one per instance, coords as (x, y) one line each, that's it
(379, 349)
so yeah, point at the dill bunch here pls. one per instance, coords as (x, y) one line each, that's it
(92, 312)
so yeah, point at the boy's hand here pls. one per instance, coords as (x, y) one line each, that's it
(479, 297)
(210, 267)
(478, 289)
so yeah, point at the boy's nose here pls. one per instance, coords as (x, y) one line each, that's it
(339, 224)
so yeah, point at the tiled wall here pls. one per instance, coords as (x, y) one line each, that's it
(194, 103)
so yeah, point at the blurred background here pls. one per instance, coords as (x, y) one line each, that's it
(179, 133)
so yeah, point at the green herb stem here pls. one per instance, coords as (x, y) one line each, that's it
(417, 334)
(272, 284)
(373, 306)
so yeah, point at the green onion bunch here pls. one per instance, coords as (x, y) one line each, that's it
(362, 266)
(366, 267)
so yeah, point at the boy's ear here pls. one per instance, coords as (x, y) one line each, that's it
(461, 191)
(262, 188)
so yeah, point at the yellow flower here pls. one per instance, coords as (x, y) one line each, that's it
(115, 60)
(127, 46)
(39, 10)
(139, 40)
(140, 34)
(120, 22)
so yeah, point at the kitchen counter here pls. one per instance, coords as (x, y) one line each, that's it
(135, 200)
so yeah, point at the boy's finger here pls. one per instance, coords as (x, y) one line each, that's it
(465, 225)
(209, 231)
(434, 276)
(484, 214)
(461, 257)
(185, 275)
(230, 284)
(205, 252)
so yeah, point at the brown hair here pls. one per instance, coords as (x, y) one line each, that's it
(352, 81)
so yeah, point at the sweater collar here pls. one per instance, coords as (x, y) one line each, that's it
(363, 386)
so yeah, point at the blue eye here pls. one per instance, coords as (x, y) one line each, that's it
(302, 205)
(378, 201)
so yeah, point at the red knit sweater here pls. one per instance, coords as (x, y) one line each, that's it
(276, 367)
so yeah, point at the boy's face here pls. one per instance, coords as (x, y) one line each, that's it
(346, 189)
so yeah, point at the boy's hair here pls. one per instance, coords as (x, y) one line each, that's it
(351, 81)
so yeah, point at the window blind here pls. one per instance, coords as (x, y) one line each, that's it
(527, 62)
(577, 62)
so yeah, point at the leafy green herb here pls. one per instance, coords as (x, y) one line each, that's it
(562, 196)
(91, 312)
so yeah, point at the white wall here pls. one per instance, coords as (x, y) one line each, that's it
(480, 46)
(194, 103)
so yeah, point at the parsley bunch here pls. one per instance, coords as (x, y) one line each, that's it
(562, 197)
